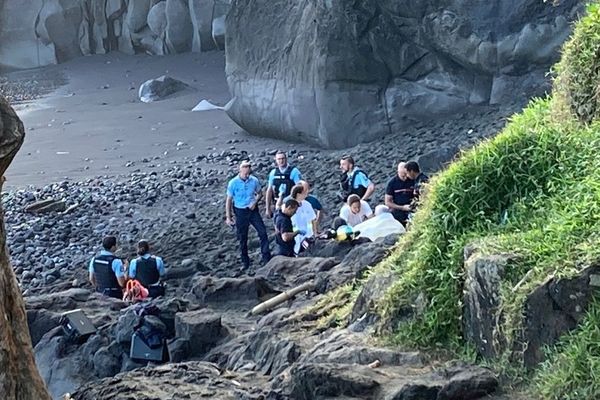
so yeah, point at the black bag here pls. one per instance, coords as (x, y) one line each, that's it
(139, 350)
(77, 325)
(151, 332)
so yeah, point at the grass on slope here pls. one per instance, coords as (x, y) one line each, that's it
(534, 190)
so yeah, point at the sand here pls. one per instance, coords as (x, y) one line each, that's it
(96, 125)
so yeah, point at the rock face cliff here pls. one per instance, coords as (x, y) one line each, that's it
(338, 73)
(40, 32)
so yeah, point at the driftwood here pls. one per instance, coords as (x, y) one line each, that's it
(19, 377)
(281, 297)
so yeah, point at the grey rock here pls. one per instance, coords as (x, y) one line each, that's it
(370, 293)
(553, 309)
(398, 64)
(137, 14)
(437, 159)
(210, 290)
(192, 380)
(159, 88)
(482, 311)
(179, 30)
(201, 12)
(157, 19)
(179, 350)
(19, 46)
(105, 363)
(202, 329)
(313, 381)
(124, 327)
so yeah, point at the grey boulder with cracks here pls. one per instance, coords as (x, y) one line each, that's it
(338, 73)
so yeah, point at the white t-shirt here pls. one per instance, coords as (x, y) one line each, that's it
(355, 219)
(303, 220)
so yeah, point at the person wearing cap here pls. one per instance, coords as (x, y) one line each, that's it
(148, 270)
(243, 195)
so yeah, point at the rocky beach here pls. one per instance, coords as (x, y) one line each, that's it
(174, 196)
(113, 146)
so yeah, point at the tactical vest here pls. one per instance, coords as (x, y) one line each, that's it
(105, 276)
(348, 184)
(283, 178)
(146, 271)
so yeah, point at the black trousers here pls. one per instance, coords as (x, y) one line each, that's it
(244, 217)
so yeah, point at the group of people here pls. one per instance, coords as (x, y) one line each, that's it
(114, 277)
(297, 213)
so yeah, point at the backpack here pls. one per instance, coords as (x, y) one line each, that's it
(151, 331)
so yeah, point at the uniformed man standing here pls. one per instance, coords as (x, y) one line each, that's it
(107, 271)
(280, 182)
(243, 195)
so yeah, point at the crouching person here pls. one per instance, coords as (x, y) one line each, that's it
(107, 271)
(148, 270)
(284, 229)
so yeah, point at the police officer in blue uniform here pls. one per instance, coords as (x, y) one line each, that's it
(107, 271)
(280, 182)
(243, 195)
(148, 270)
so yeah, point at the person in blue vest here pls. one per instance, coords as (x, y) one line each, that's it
(148, 270)
(280, 182)
(243, 195)
(107, 271)
(354, 181)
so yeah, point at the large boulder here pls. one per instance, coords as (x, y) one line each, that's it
(19, 46)
(180, 31)
(137, 14)
(58, 24)
(338, 73)
(202, 329)
(201, 12)
(482, 301)
(553, 308)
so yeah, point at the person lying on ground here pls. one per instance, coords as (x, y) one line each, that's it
(284, 229)
(148, 270)
(354, 181)
(355, 210)
(107, 272)
(281, 179)
(399, 194)
(381, 225)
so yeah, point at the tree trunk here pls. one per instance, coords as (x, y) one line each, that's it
(19, 377)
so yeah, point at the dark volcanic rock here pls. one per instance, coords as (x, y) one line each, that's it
(482, 301)
(314, 381)
(553, 309)
(357, 71)
(159, 88)
(192, 380)
(202, 329)
(370, 293)
(211, 290)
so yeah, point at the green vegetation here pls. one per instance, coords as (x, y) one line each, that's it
(334, 309)
(534, 190)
